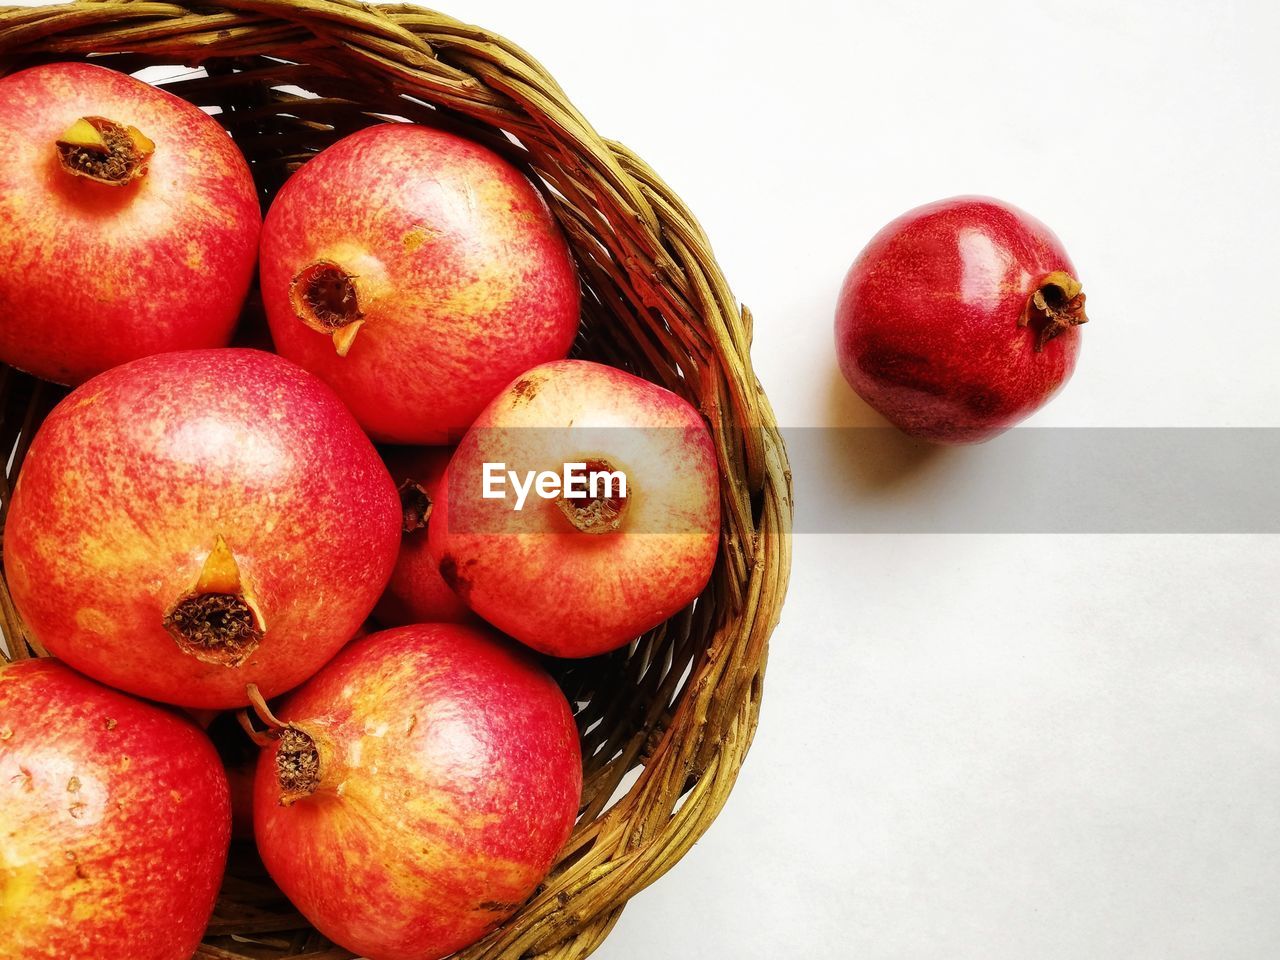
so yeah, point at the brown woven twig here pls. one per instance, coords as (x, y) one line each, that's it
(671, 718)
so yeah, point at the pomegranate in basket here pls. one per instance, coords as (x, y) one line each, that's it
(420, 788)
(416, 272)
(417, 592)
(128, 222)
(581, 509)
(190, 523)
(114, 821)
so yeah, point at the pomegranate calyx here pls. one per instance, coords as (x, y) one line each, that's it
(297, 765)
(297, 752)
(324, 297)
(104, 151)
(217, 621)
(1056, 305)
(595, 514)
(415, 505)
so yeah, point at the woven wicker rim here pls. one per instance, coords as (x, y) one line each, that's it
(665, 724)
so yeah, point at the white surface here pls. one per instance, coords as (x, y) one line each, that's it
(987, 747)
(983, 747)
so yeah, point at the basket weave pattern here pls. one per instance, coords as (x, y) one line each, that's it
(665, 723)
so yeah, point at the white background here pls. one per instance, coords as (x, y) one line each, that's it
(986, 747)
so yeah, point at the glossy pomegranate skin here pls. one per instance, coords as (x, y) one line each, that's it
(461, 275)
(557, 589)
(417, 592)
(928, 325)
(95, 274)
(450, 777)
(135, 477)
(114, 821)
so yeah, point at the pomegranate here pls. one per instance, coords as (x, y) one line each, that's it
(959, 319)
(577, 573)
(417, 273)
(190, 523)
(239, 756)
(114, 821)
(128, 222)
(417, 593)
(240, 782)
(419, 790)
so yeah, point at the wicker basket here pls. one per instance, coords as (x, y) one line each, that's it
(677, 709)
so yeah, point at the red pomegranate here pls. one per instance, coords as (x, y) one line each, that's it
(190, 523)
(959, 319)
(419, 791)
(239, 756)
(570, 573)
(128, 222)
(114, 821)
(417, 273)
(417, 593)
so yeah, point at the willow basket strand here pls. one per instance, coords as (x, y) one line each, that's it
(665, 723)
